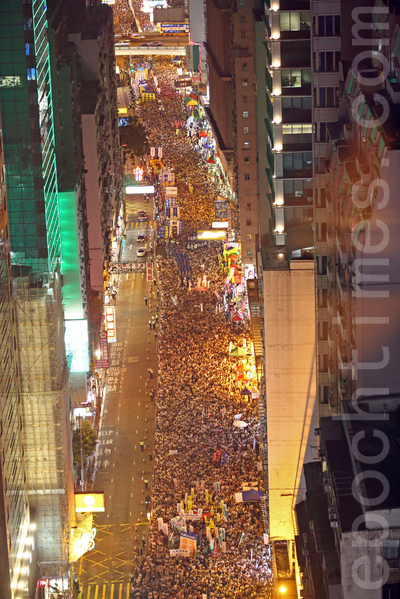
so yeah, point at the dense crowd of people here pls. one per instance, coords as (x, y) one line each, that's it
(201, 457)
(198, 184)
(125, 12)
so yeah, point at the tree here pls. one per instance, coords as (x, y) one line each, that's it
(88, 442)
(133, 138)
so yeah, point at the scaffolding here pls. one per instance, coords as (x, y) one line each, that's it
(46, 420)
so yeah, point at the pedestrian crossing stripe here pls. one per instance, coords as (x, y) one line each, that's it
(141, 225)
(110, 590)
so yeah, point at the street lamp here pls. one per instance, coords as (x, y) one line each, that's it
(282, 590)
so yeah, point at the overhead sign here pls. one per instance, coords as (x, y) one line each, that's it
(104, 359)
(89, 502)
(216, 234)
(110, 324)
(220, 224)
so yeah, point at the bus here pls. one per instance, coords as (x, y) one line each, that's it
(174, 28)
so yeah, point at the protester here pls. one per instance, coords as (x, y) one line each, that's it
(201, 460)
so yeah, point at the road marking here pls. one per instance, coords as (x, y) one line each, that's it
(96, 592)
(127, 591)
(88, 591)
(131, 494)
(133, 478)
(135, 446)
(112, 590)
(112, 480)
(104, 591)
(120, 591)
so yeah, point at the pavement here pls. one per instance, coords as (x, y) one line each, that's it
(127, 419)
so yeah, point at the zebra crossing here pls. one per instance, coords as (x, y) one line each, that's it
(109, 590)
(141, 225)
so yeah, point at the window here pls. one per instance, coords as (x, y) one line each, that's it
(296, 109)
(297, 53)
(247, 177)
(242, 19)
(244, 82)
(247, 192)
(390, 549)
(243, 35)
(248, 237)
(296, 133)
(294, 21)
(295, 78)
(328, 62)
(242, 2)
(249, 252)
(245, 130)
(245, 114)
(248, 207)
(246, 145)
(244, 66)
(324, 394)
(248, 222)
(247, 160)
(328, 25)
(245, 99)
(322, 263)
(323, 298)
(327, 97)
(298, 191)
(323, 133)
(31, 74)
(297, 164)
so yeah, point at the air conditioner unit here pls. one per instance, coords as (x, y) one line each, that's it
(334, 524)
(327, 488)
(332, 517)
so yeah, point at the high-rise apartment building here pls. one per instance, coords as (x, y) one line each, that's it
(236, 60)
(14, 506)
(289, 72)
(94, 40)
(35, 224)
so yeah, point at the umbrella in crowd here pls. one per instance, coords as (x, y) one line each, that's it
(245, 391)
(202, 134)
(238, 352)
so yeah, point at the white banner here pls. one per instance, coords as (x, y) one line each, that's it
(179, 553)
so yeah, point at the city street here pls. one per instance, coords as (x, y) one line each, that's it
(122, 466)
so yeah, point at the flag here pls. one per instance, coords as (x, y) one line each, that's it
(224, 510)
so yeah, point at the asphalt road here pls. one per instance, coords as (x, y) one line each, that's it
(127, 418)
